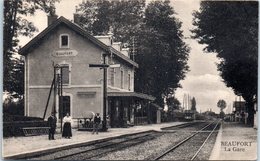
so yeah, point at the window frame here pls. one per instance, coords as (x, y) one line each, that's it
(60, 41)
(69, 70)
(129, 81)
(122, 78)
(112, 76)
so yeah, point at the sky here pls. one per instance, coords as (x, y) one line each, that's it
(202, 81)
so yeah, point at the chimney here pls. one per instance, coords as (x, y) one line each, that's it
(52, 16)
(51, 19)
(76, 18)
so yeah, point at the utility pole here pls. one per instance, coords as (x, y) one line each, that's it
(133, 52)
(104, 66)
(58, 84)
(183, 102)
(54, 91)
(188, 102)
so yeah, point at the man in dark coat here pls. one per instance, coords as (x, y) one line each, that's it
(97, 121)
(52, 120)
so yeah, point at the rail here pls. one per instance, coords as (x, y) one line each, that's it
(195, 155)
(114, 145)
(180, 143)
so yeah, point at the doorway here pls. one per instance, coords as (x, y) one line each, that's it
(65, 106)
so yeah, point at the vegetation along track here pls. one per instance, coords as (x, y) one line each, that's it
(98, 149)
(188, 148)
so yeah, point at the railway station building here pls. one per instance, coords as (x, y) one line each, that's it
(66, 45)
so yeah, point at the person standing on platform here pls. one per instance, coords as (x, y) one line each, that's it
(97, 121)
(67, 126)
(52, 120)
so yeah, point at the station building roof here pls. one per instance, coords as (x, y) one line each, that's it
(62, 20)
(131, 94)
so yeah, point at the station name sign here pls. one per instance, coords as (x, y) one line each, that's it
(64, 53)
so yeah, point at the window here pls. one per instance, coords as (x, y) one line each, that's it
(65, 74)
(64, 41)
(112, 76)
(129, 82)
(122, 79)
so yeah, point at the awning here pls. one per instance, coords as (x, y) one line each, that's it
(157, 106)
(131, 94)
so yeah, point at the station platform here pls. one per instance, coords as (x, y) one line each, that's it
(235, 141)
(22, 145)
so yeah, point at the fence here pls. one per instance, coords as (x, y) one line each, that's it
(16, 128)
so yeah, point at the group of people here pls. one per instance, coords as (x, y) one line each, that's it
(67, 120)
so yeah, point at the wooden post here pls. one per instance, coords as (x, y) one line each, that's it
(104, 126)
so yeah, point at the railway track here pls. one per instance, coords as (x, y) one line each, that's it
(197, 141)
(99, 149)
(188, 124)
(103, 148)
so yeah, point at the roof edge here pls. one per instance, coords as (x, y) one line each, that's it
(81, 31)
(134, 94)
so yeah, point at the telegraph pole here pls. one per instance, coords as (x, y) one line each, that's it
(58, 85)
(133, 52)
(104, 125)
(104, 66)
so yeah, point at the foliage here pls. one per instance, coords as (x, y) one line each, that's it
(14, 128)
(173, 103)
(123, 18)
(161, 54)
(16, 24)
(210, 113)
(222, 114)
(11, 107)
(222, 104)
(230, 29)
(193, 104)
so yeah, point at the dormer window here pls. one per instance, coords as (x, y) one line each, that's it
(64, 41)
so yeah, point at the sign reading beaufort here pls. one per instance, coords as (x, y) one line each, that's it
(61, 53)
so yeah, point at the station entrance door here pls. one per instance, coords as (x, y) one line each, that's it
(65, 108)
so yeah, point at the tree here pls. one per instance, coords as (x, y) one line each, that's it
(15, 24)
(163, 55)
(123, 18)
(230, 29)
(173, 103)
(193, 104)
(222, 104)
(160, 52)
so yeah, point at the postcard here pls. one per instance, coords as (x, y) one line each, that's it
(130, 80)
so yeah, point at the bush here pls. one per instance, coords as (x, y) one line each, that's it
(222, 114)
(13, 124)
(13, 108)
(15, 128)
(12, 118)
(199, 116)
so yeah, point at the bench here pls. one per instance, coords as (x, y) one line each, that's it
(32, 131)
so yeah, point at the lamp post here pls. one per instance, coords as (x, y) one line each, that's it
(58, 75)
